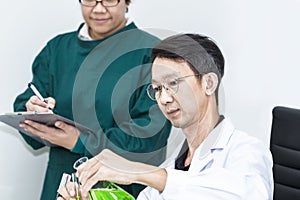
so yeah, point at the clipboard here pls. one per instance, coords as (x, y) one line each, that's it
(13, 119)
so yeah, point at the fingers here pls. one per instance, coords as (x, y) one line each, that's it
(67, 192)
(67, 128)
(71, 135)
(62, 134)
(89, 175)
(85, 197)
(89, 183)
(37, 129)
(35, 104)
(50, 102)
(70, 186)
(86, 170)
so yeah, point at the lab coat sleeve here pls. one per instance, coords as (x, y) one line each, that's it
(149, 194)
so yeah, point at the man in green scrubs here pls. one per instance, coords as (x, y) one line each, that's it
(96, 76)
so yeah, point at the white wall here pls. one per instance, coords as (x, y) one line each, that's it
(259, 38)
(26, 26)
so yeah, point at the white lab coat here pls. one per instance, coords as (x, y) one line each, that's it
(229, 164)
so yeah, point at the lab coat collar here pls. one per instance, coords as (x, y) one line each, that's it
(217, 139)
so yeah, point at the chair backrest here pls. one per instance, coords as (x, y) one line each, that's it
(285, 148)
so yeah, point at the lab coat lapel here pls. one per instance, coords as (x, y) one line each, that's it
(201, 163)
(217, 139)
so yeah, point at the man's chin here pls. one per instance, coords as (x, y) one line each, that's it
(176, 124)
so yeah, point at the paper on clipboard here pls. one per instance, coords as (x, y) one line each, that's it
(48, 118)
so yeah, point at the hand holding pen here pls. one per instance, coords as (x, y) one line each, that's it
(38, 103)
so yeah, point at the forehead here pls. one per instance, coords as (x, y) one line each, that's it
(165, 68)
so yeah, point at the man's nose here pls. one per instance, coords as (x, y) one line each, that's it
(99, 7)
(165, 96)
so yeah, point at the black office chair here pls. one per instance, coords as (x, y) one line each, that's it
(285, 148)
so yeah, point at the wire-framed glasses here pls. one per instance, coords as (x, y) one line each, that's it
(105, 3)
(171, 87)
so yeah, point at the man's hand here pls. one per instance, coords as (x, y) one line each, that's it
(35, 104)
(62, 134)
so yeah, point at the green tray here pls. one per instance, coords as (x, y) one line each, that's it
(109, 191)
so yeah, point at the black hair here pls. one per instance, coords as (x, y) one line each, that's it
(199, 51)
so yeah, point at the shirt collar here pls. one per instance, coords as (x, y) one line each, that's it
(84, 32)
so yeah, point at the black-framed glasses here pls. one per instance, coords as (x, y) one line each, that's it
(171, 87)
(105, 3)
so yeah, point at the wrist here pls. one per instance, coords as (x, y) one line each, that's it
(155, 179)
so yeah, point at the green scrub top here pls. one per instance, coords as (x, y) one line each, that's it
(102, 85)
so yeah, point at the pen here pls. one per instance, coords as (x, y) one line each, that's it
(36, 92)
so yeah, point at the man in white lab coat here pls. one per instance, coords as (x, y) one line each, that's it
(216, 161)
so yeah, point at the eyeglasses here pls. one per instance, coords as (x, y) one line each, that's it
(171, 86)
(105, 3)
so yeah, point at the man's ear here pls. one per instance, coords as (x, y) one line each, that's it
(211, 82)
